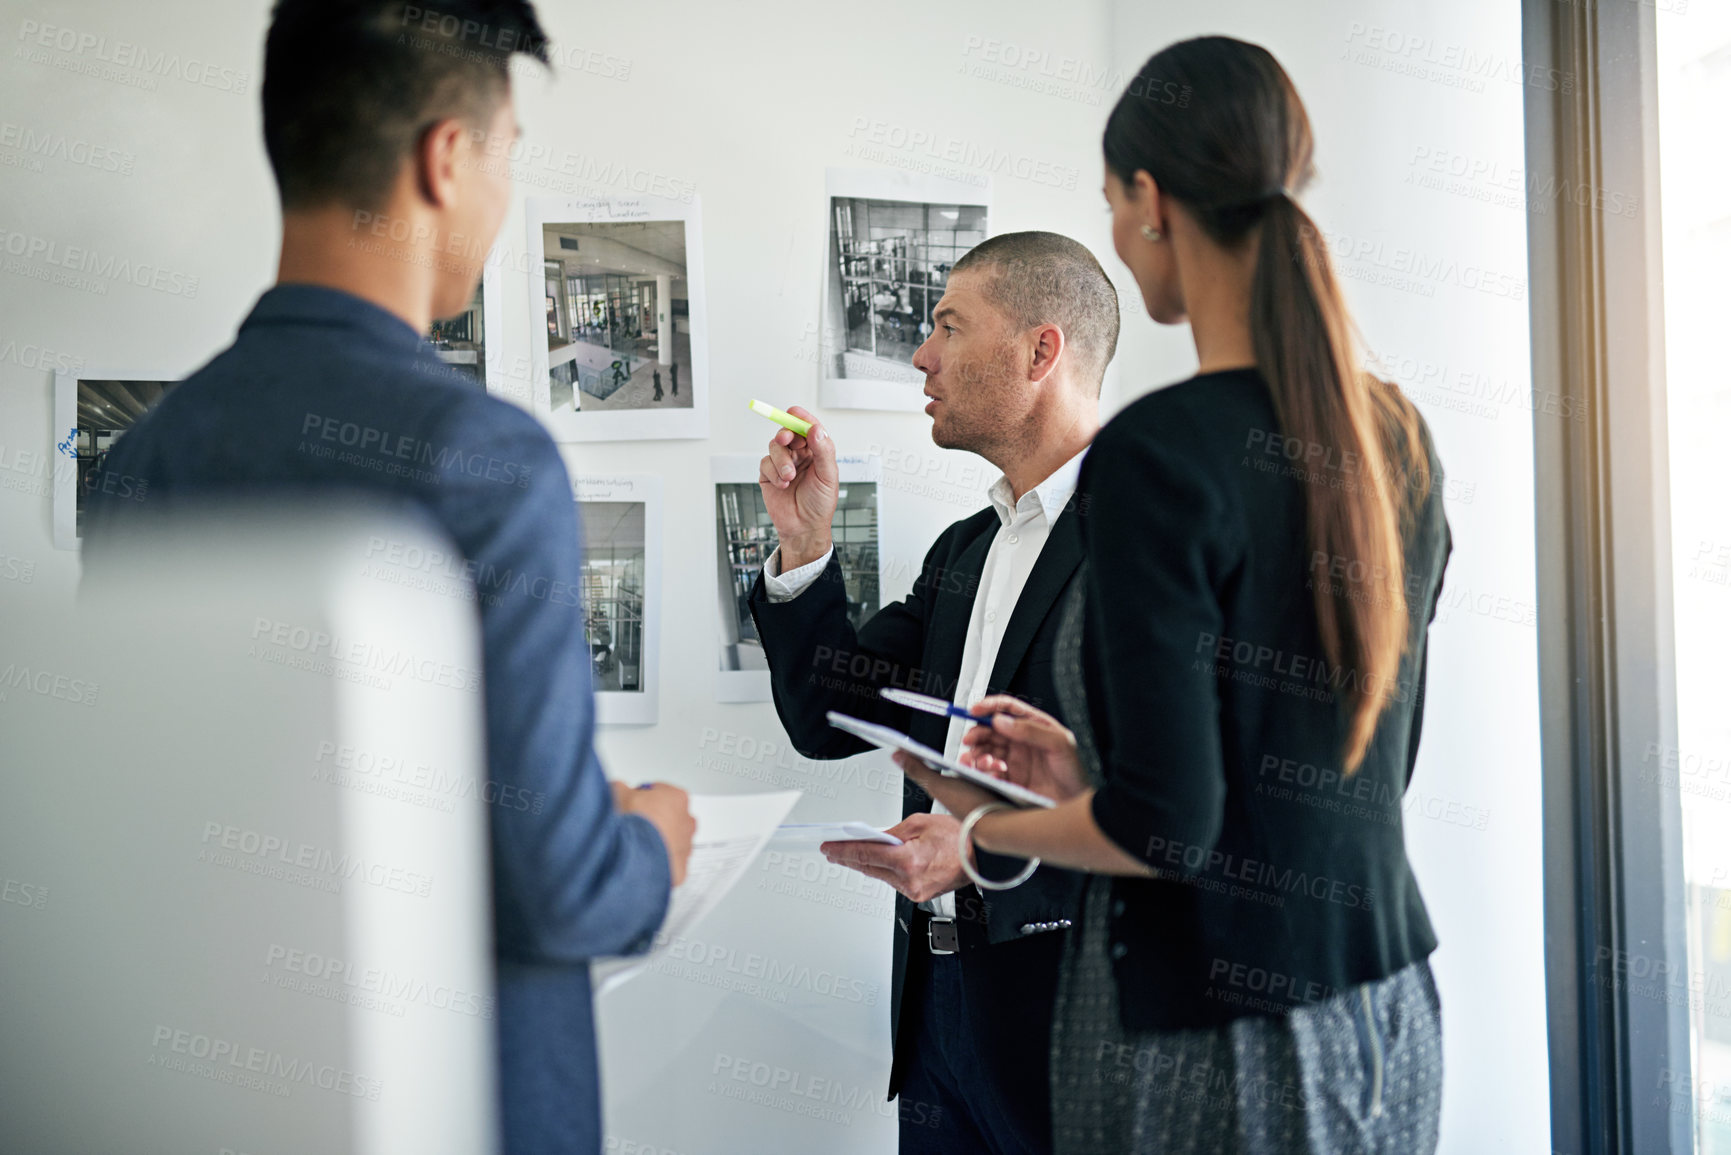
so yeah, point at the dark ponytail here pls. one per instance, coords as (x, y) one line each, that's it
(1233, 153)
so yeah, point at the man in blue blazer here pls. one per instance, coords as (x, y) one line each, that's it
(386, 132)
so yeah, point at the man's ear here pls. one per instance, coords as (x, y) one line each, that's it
(1048, 347)
(439, 154)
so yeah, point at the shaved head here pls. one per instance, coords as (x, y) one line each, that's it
(1037, 278)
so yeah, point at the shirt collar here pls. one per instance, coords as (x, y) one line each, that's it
(321, 306)
(1051, 495)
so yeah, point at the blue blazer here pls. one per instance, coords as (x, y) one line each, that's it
(323, 393)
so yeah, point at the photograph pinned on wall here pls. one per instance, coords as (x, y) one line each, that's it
(744, 539)
(461, 341)
(621, 341)
(893, 238)
(91, 412)
(621, 516)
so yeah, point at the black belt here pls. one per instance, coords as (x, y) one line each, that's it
(941, 934)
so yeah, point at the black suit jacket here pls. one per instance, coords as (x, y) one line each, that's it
(818, 663)
(1283, 879)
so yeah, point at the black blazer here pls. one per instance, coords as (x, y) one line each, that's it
(1283, 880)
(819, 663)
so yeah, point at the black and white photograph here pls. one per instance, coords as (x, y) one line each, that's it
(620, 346)
(893, 238)
(90, 415)
(461, 341)
(744, 539)
(621, 518)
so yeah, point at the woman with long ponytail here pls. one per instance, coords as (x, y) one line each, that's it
(1265, 547)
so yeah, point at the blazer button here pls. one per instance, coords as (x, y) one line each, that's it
(1117, 908)
(1119, 950)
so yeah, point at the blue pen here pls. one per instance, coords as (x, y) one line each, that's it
(925, 703)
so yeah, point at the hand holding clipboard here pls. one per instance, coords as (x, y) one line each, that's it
(889, 739)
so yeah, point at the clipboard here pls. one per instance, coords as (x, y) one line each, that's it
(890, 739)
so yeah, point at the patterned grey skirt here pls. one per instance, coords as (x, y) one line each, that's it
(1360, 1072)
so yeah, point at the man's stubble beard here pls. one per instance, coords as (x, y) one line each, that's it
(984, 430)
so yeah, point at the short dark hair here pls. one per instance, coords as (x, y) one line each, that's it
(350, 86)
(1039, 278)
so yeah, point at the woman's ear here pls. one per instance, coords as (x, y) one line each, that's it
(1151, 205)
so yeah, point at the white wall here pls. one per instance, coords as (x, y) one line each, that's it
(749, 103)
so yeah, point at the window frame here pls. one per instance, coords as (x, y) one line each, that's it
(1612, 842)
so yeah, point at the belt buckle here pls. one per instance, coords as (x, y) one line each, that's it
(941, 936)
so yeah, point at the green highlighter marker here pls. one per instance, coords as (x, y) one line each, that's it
(785, 420)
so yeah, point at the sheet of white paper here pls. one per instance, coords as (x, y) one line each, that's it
(731, 830)
(811, 834)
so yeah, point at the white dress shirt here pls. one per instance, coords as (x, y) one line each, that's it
(1023, 528)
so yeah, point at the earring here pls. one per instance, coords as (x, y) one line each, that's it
(1150, 233)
